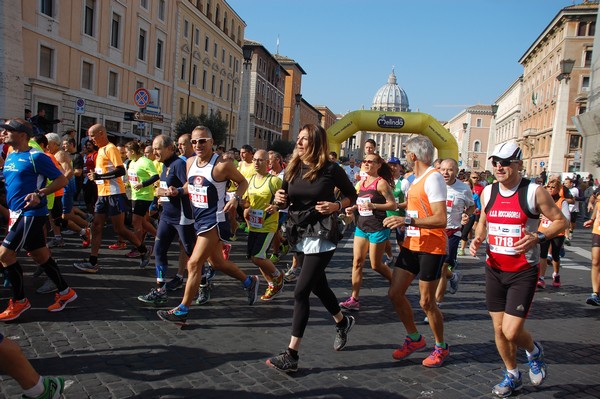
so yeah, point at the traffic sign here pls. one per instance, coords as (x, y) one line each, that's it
(141, 125)
(542, 163)
(80, 106)
(141, 97)
(151, 109)
(140, 116)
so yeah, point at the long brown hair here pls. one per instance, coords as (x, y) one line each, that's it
(315, 155)
(384, 170)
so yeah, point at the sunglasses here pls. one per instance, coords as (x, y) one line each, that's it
(551, 187)
(198, 141)
(504, 163)
(369, 161)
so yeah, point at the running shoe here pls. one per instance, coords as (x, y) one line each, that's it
(387, 260)
(119, 245)
(556, 281)
(233, 238)
(155, 296)
(508, 385)
(86, 266)
(86, 239)
(274, 258)
(47, 287)
(460, 252)
(274, 288)
(283, 250)
(283, 362)
(53, 388)
(454, 281)
(204, 294)
(210, 272)
(175, 283)
(226, 250)
(145, 257)
(593, 300)
(174, 315)
(291, 274)
(350, 304)
(409, 347)
(133, 253)
(437, 357)
(541, 283)
(15, 309)
(252, 290)
(56, 243)
(537, 366)
(242, 226)
(341, 333)
(60, 301)
(567, 242)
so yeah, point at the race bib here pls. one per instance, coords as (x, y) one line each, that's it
(13, 218)
(545, 222)
(502, 237)
(449, 203)
(133, 177)
(363, 208)
(412, 231)
(229, 195)
(99, 171)
(363, 174)
(163, 184)
(199, 196)
(255, 217)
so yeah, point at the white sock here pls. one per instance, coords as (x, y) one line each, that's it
(515, 373)
(533, 353)
(36, 390)
(554, 274)
(82, 232)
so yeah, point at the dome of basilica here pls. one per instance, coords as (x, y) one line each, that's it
(391, 97)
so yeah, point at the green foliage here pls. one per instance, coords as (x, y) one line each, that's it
(214, 122)
(283, 147)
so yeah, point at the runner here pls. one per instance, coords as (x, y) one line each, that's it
(375, 197)
(594, 223)
(207, 175)
(509, 221)
(26, 171)
(308, 189)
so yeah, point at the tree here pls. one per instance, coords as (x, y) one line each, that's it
(283, 147)
(214, 122)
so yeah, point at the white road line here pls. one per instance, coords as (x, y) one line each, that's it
(580, 251)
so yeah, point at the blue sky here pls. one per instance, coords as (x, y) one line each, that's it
(447, 54)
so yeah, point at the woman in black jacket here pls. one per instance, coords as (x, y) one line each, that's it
(308, 189)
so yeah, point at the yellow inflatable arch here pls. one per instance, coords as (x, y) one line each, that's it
(393, 122)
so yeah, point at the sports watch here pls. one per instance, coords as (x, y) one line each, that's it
(541, 237)
(408, 221)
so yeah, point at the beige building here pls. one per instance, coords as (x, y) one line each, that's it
(471, 128)
(292, 101)
(550, 99)
(328, 118)
(83, 61)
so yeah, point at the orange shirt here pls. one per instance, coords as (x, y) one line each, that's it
(596, 227)
(545, 222)
(108, 159)
(61, 192)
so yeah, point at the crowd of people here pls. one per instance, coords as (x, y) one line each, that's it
(205, 195)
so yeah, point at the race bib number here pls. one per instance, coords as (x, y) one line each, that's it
(163, 184)
(199, 196)
(133, 177)
(99, 171)
(256, 217)
(449, 203)
(363, 174)
(412, 231)
(363, 207)
(13, 218)
(545, 222)
(229, 195)
(502, 237)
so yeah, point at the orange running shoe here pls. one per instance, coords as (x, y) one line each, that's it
(15, 309)
(409, 347)
(437, 357)
(62, 300)
(226, 250)
(118, 245)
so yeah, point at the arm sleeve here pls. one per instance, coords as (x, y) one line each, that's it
(343, 183)
(150, 181)
(118, 172)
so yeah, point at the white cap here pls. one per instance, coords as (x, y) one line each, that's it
(509, 150)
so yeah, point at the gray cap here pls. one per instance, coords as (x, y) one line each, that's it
(15, 126)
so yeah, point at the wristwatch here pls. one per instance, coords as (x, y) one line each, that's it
(408, 221)
(541, 237)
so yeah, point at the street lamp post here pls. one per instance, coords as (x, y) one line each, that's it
(465, 150)
(298, 98)
(559, 131)
(243, 136)
(491, 137)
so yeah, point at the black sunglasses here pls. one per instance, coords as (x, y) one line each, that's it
(198, 141)
(504, 163)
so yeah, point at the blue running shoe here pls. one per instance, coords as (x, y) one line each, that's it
(175, 315)
(508, 385)
(537, 366)
(593, 300)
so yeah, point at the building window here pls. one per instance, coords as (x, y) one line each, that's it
(581, 110)
(588, 59)
(194, 73)
(47, 8)
(183, 64)
(582, 29)
(142, 45)
(88, 23)
(215, 49)
(197, 37)
(87, 71)
(113, 84)
(592, 30)
(222, 56)
(144, 4)
(477, 146)
(574, 142)
(221, 88)
(206, 43)
(161, 10)
(186, 27)
(479, 122)
(212, 84)
(159, 53)
(204, 80)
(585, 83)
(114, 31)
(46, 62)
(138, 84)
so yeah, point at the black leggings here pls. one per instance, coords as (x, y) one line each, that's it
(466, 229)
(312, 279)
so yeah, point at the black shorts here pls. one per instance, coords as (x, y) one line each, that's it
(258, 244)
(429, 265)
(57, 209)
(510, 292)
(452, 251)
(112, 205)
(141, 207)
(90, 192)
(574, 216)
(557, 243)
(26, 232)
(595, 240)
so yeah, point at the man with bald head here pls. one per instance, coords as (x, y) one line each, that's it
(111, 199)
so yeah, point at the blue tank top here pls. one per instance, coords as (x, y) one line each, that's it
(206, 195)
